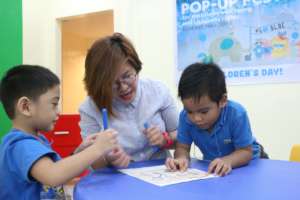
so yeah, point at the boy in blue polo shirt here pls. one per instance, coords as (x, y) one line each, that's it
(219, 127)
(30, 96)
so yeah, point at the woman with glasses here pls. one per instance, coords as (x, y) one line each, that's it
(142, 111)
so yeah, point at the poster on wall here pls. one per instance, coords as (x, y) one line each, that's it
(253, 41)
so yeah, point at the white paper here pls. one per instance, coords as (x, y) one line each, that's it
(160, 176)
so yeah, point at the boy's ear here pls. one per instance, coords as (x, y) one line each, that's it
(223, 101)
(23, 106)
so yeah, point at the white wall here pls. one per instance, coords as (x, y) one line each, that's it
(272, 108)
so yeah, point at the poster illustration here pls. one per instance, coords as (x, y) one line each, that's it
(253, 41)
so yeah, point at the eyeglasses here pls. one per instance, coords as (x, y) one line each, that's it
(127, 79)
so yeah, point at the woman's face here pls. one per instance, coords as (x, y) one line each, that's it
(125, 84)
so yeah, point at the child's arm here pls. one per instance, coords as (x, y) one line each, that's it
(181, 158)
(242, 135)
(56, 173)
(89, 140)
(222, 166)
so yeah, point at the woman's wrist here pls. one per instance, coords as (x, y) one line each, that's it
(168, 141)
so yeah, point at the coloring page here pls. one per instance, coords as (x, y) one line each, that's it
(160, 176)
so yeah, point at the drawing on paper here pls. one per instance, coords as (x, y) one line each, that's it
(160, 176)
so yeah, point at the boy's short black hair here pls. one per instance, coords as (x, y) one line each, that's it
(25, 80)
(200, 79)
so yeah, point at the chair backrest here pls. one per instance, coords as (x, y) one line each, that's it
(65, 137)
(295, 153)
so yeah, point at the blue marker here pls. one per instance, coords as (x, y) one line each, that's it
(155, 148)
(146, 125)
(104, 118)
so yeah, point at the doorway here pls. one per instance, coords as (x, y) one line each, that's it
(77, 34)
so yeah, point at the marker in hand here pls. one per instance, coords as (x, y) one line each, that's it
(105, 123)
(146, 125)
(155, 148)
(104, 118)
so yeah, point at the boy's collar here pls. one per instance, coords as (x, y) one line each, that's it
(40, 137)
(222, 117)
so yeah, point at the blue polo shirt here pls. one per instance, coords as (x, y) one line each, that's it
(18, 153)
(230, 132)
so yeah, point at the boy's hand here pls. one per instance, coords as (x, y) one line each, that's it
(106, 140)
(88, 141)
(154, 136)
(118, 157)
(177, 164)
(220, 167)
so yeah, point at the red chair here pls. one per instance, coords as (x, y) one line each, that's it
(65, 137)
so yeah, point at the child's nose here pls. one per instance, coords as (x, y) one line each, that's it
(197, 117)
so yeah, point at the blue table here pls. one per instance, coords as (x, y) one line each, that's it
(260, 180)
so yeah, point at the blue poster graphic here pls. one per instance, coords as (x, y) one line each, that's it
(253, 41)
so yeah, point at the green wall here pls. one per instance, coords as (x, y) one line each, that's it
(10, 45)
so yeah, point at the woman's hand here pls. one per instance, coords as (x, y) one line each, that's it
(154, 136)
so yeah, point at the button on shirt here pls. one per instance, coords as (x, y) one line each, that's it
(231, 131)
(152, 104)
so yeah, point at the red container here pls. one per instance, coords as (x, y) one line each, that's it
(65, 137)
